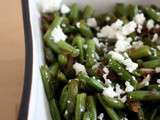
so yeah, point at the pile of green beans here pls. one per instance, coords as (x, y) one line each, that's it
(79, 96)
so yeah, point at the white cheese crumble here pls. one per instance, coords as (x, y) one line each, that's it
(129, 28)
(155, 37)
(108, 18)
(150, 24)
(157, 26)
(57, 34)
(158, 47)
(123, 45)
(91, 22)
(157, 69)
(65, 9)
(117, 56)
(106, 71)
(124, 118)
(117, 25)
(139, 18)
(96, 40)
(118, 90)
(129, 87)
(49, 5)
(139, 29)
(146, 80)
(79, 68)
(158, 81)
(109, 92)
(137, 44)
(78, 24)
(123, 99)
(100, 116)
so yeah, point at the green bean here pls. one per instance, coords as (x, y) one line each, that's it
(50, 58)
(154, 86)
(124, 74)
(113, 102)
(54, 110)
(46, 78)
(67, 48)
(56, 22)
(144, 95)
(152, 13)
(52, 45)
(93, 83)
(86, 116)
(74, 13)
(63, 99)
(110, 111)
(61, 76)
(70, 29)
(141, 52)
(141, 114)
(151, 63)
(90, 58)
(62, 59)
(54, 69)
(88, 12)
(120, 10)
(79, 41)
(132, 10)
(91, 105)
(85, 30)
(72, 93)
(80, 106)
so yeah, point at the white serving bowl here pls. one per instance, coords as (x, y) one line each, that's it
(34, 104)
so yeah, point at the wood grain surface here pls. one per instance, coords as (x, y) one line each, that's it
(11, 58)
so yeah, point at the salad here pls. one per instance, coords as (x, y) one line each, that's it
(104, 67)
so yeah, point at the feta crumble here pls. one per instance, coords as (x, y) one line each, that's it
(130, 65)
(108, 18)
(146, 80)
(78, 24)
(157, 69)
(117, 56)
(100, 116)
(96, 40)
(91, 22)
(155, 37)
(150, 24)
(123, 99)
(49, 5)
(129, 28)
(79, 68)
(65, 9)
(129, 87)
(118, 90)
(109, 92)
(57, 34)
(158, 81)
(137, 44)
(139, 18)
(117, 25)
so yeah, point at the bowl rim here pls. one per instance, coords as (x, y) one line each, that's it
(25, 98)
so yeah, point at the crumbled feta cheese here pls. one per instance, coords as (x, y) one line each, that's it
(157, 26)
(123, 99)
(129, 87)
(107, 31)
(96, 40)
(117, 25)
(158, 81)
(158, 47)
(101, 116)
(109, 92)
(91, 22)
(85, 46)
(122, 45)
(139, 29)
(108, 18)
(139, 18)
(137, 44)
(79, 68)
(78, 24)
(129, 28)
(157, 69)
(49, 5)
(155, 37)
(63, 25)
(124, 118)
(95, 66)
(150, 24)
(68, 101)
(130, 65)
(117, 56)
(119, 91)
(65, 9)
(107, 81)
(57, 34)
(106, 71)
(146, 80)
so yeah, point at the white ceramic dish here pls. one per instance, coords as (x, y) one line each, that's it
(34, 103)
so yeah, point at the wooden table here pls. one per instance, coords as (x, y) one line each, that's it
(11, 58)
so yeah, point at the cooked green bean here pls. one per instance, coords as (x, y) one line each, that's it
(132, 11)
(62, 59)
(50, 58)
(120, 10)
(80, 106)
(151, 63)
(54, 69)
(74, 13)
(86, 116)
(88, 12)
